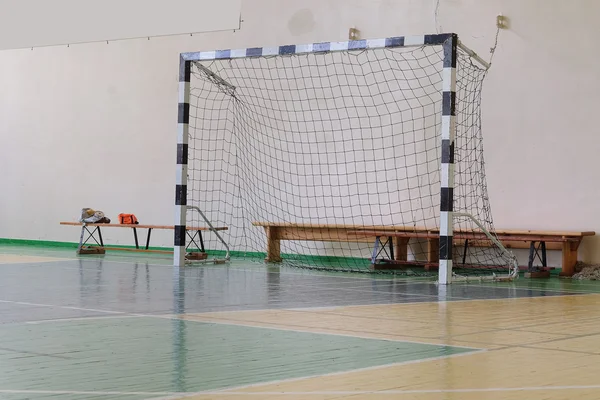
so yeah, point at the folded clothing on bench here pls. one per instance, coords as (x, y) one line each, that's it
(90, 215)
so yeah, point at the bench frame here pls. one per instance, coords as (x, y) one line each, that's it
(195, 242)
(537, 244)
(398, 238)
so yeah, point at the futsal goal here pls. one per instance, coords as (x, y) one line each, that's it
(375, 144)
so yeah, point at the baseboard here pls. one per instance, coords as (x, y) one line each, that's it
(63, 245)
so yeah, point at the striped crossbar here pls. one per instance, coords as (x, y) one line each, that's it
(324, 47)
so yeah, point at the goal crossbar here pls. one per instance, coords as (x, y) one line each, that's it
(322, 47)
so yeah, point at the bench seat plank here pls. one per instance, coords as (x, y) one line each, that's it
(406, 228)
(543, 233)
(342, 226)
(464, 235)
(189, 228)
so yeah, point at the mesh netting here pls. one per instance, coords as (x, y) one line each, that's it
(317, 148)
(587, 271)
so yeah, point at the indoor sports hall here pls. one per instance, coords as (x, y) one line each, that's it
(299, 200)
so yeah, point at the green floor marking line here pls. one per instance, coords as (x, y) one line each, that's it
(153, 355)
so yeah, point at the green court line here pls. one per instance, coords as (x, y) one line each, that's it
(62, 245)
(37, 243)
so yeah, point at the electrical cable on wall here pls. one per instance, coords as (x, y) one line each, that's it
(499, 25)
(493, 48)
(438, 28)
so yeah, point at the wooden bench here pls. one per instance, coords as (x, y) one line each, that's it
(398, 238)
(194, 234)
(276, 232)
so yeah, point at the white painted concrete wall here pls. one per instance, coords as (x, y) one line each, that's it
(94, 125)
(36, 23)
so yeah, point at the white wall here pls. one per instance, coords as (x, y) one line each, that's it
(36, 23)
(93, 125)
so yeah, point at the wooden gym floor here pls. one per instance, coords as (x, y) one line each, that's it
(132, 327)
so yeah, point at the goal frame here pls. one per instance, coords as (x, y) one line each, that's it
(449, 43)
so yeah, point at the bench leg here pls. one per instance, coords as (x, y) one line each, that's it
(192, 241)
(81, 238)
(433, 252)
(375, 250)
(201, 241)
(465, 252)
(401, 251)
(531, 256)
(100, 236)
(569, 258)
(544, 259)
(148, 238)
(137, 245)
(537, 272)
(273, 245)
(82, 242)
(197, 253)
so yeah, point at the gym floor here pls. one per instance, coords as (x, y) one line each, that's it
(130, 326)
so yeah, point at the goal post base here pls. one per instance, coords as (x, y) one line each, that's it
(537, 274)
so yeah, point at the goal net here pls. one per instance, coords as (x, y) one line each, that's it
(337, 151)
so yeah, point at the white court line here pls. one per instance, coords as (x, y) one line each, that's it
(233, 390)
(75, 392)
(386, 392)
(24, 303)
(423, 391)
(77, 319)
(179, 395)
(35, 263)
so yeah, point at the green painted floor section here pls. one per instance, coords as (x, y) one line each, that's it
(147, 354)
